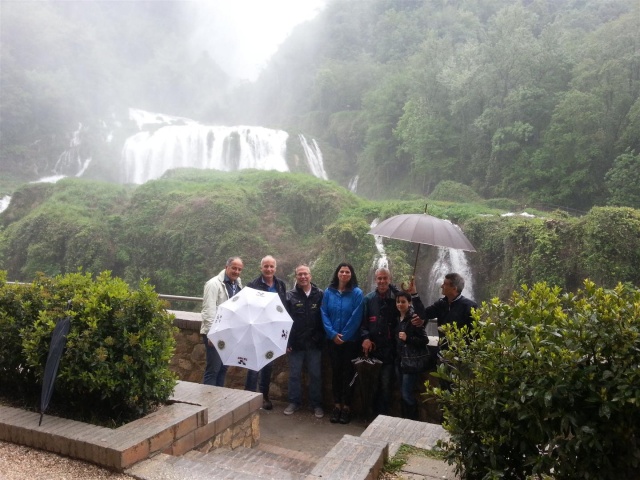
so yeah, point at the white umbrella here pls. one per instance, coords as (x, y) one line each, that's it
(251, 329)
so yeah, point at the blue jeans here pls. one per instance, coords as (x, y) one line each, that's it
(384, 387)
(409, 382)
(296, 360)
(214, 372)
(265, 379)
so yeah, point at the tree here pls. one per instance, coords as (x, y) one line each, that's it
(623, 181)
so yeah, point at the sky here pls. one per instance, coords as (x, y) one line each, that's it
(241, 35)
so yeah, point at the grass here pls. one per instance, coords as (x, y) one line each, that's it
(394, 464)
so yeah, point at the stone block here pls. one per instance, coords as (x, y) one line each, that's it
(184, 444)
(161, 440)
(205, 433)
(133, 454)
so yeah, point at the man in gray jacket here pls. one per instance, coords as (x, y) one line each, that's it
(216, 291)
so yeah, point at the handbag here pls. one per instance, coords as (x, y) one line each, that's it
(413, 360)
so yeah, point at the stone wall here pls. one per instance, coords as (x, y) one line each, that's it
(189, 361)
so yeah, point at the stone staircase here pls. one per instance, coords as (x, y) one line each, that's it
(353, 458)
(262, 462)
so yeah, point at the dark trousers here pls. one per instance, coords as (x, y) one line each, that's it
(214, 371)
(265, 380)
(342, 371)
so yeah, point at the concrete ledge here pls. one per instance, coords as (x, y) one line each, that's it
(187, 320)
(396, 431)
(354, 458)
(199, 414)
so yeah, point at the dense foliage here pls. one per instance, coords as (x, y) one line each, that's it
(549, 385)
(115, 365)
(179, 230)
(535, 100)
(532, 100)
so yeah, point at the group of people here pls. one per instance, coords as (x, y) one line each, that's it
(382, 325)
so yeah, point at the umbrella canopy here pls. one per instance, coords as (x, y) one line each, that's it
(423, 228)
(251, 329)
(58, 342)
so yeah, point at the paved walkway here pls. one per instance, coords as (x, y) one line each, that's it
(299, 446)
(304, 433)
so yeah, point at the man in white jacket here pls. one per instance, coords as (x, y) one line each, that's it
(216, 291)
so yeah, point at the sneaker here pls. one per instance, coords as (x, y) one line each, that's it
(335, 415)
(292, 407)
(345, 416)
(318, 412)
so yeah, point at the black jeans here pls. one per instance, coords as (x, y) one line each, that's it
(342, 371)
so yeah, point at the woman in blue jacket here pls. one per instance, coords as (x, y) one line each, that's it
(342, 306)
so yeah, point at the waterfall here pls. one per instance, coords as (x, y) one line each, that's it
(314, 156)
(166, 142)
(70, 162)
(381, 260)
(353, 184)
(449, 261)
(4, 203)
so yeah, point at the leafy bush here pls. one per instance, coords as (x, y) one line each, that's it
(549, 386)
(115, 366)
(451, 191)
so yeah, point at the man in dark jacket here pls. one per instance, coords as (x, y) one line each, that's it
(305, 341)
(452, 307)
(379, 323)
(267, 282)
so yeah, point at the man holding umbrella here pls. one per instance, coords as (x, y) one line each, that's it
(267, 282)
(453, 307)
(216, 291)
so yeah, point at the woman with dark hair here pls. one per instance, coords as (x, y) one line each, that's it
(342, 305)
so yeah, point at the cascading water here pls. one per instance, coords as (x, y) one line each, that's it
(380, 260)
(174, 142)
(353, 184)
(314, 156)
(4, 203)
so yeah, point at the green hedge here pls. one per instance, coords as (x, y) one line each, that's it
(115, 366)
(550, 385)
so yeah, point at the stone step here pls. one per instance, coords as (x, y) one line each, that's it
(263, 462)
(353, 458)
(168, 467)
(286, 452)
(258, 461)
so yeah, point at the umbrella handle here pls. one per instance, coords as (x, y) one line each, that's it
(415, 264)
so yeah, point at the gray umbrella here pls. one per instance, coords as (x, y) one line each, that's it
(422, 228)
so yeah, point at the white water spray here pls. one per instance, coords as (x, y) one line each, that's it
(167, 142)
(314, 156)
(381, 260)
(4, 203)
(353, 184)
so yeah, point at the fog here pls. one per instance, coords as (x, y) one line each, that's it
(241, 35)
